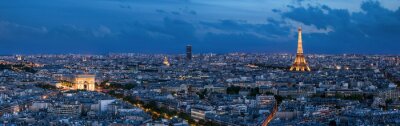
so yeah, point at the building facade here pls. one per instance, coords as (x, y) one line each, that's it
(189, 52)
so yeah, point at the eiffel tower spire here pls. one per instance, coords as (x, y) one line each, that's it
(300, 63)
(299, 42)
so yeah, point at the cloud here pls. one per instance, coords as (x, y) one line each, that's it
(101, 31)
(181, 11)
(213, 26)
(229, 25)
(374, 30)
(9, 30)
(175, 13)
(125, 6)
(193, 12)
(181, 29)
(161, 11)
(270, 30)
(74, 32)
(188, 11)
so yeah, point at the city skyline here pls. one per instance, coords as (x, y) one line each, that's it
(108, 26)
(199, 62)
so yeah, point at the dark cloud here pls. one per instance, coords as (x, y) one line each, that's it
(187, 10)
(193, 12)
(316, 16)
(271, 29)
(17, 38)
(125, 6)
(229, 25)
(175, 13)
(161, 11)
(276, 10)
(374, 30)
(180, 29)
(8, 30)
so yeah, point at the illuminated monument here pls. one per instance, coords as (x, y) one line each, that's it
(166, 62)
(79, 82)
(300, 63)
(85, 82)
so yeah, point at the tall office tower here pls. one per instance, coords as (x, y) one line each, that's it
(188, 52)
(300, 63)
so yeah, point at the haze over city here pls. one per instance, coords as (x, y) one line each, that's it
(223, 26)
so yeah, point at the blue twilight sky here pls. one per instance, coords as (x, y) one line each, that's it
(219, 26)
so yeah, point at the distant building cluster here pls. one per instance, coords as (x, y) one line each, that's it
(212, 89)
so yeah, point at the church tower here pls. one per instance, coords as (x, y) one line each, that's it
(300, 63)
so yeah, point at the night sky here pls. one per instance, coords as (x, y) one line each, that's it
(217, 26)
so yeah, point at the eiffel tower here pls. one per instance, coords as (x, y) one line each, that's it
(300, 63)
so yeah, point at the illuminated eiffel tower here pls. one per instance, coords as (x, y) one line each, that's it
(300, 63)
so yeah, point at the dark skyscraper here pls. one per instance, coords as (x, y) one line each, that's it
(189, 52)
